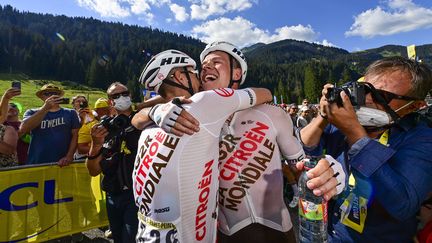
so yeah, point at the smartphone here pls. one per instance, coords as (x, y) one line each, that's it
(16, 84)
(64, 101)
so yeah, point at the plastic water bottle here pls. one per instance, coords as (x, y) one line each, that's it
(312, 209)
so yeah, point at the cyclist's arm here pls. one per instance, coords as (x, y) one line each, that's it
(262, 95)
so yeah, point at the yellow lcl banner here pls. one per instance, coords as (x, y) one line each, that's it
(47, 202)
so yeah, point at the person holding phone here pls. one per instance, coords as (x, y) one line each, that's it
(53, 129)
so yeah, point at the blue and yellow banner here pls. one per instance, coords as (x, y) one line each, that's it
(47, 202)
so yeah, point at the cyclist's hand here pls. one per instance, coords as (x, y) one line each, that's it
(172, 118)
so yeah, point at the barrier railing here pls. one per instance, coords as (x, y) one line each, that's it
(42, 202)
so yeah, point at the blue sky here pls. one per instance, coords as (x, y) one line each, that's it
(349, 24)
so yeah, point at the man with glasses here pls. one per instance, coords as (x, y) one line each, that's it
(53, 129)
(386, 146)
(114, 157)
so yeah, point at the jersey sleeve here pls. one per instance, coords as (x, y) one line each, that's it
(213, 105)
(289, 145)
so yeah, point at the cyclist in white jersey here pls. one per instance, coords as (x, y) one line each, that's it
(175, 178)
(251, 148)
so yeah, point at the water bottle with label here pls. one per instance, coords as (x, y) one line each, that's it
(312, 209)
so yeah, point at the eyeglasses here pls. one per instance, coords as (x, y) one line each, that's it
(117, 95)
(389, 96)
(50, 93)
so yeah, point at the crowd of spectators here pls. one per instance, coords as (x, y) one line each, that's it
(49, 133)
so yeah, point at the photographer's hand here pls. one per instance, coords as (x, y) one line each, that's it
(98, 134)
(51, 102)
(344, 118)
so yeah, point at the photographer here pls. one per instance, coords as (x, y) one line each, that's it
(385, 145)
(112, 152)
(53, 129)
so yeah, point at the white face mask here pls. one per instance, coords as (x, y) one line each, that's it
(370, 117)
(122, 103)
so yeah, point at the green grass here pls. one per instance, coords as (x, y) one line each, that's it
(28, 98)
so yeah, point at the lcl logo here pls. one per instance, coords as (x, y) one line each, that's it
(48, 198)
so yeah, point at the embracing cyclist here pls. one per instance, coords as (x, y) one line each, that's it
(175, 178)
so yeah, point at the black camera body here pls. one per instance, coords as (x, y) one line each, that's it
(355, 91)
(83, 104)
(115, 125)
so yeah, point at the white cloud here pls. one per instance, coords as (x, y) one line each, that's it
(398, 16)
(242, 32)
(202, 9)
(179, 12)
(139, 6)
(326, 43)
(106, 8)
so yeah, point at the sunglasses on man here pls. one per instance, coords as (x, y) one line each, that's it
(117, 95)
(389, 96)
(47, 94)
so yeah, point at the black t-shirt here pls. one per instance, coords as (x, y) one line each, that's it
(117, 167)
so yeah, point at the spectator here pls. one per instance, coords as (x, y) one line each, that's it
(102, 108)
(387, 147)
(6, 97)
(116, 163)
(8, 136)
(305, 103)
(303, 118)
(292, 111)
(8, 141)
(87, 120)
(24, 139)
(53, 129)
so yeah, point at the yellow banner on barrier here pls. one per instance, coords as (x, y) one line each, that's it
(48, 202)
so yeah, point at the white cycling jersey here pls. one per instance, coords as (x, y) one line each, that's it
(251, 179)
(176, 178)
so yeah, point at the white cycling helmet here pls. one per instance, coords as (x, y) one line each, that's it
(158, 68)
(232, 50)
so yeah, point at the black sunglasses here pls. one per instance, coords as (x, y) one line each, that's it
(50, 93)
(389, 96)
(117, 95)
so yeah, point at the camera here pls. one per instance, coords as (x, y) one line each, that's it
(355, 91)
(64, 101)
(83, 104)
(114, 125)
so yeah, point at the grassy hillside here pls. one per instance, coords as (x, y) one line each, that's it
(28, 98)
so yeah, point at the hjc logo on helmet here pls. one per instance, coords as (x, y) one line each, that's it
(238, 53)
(167, 61)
